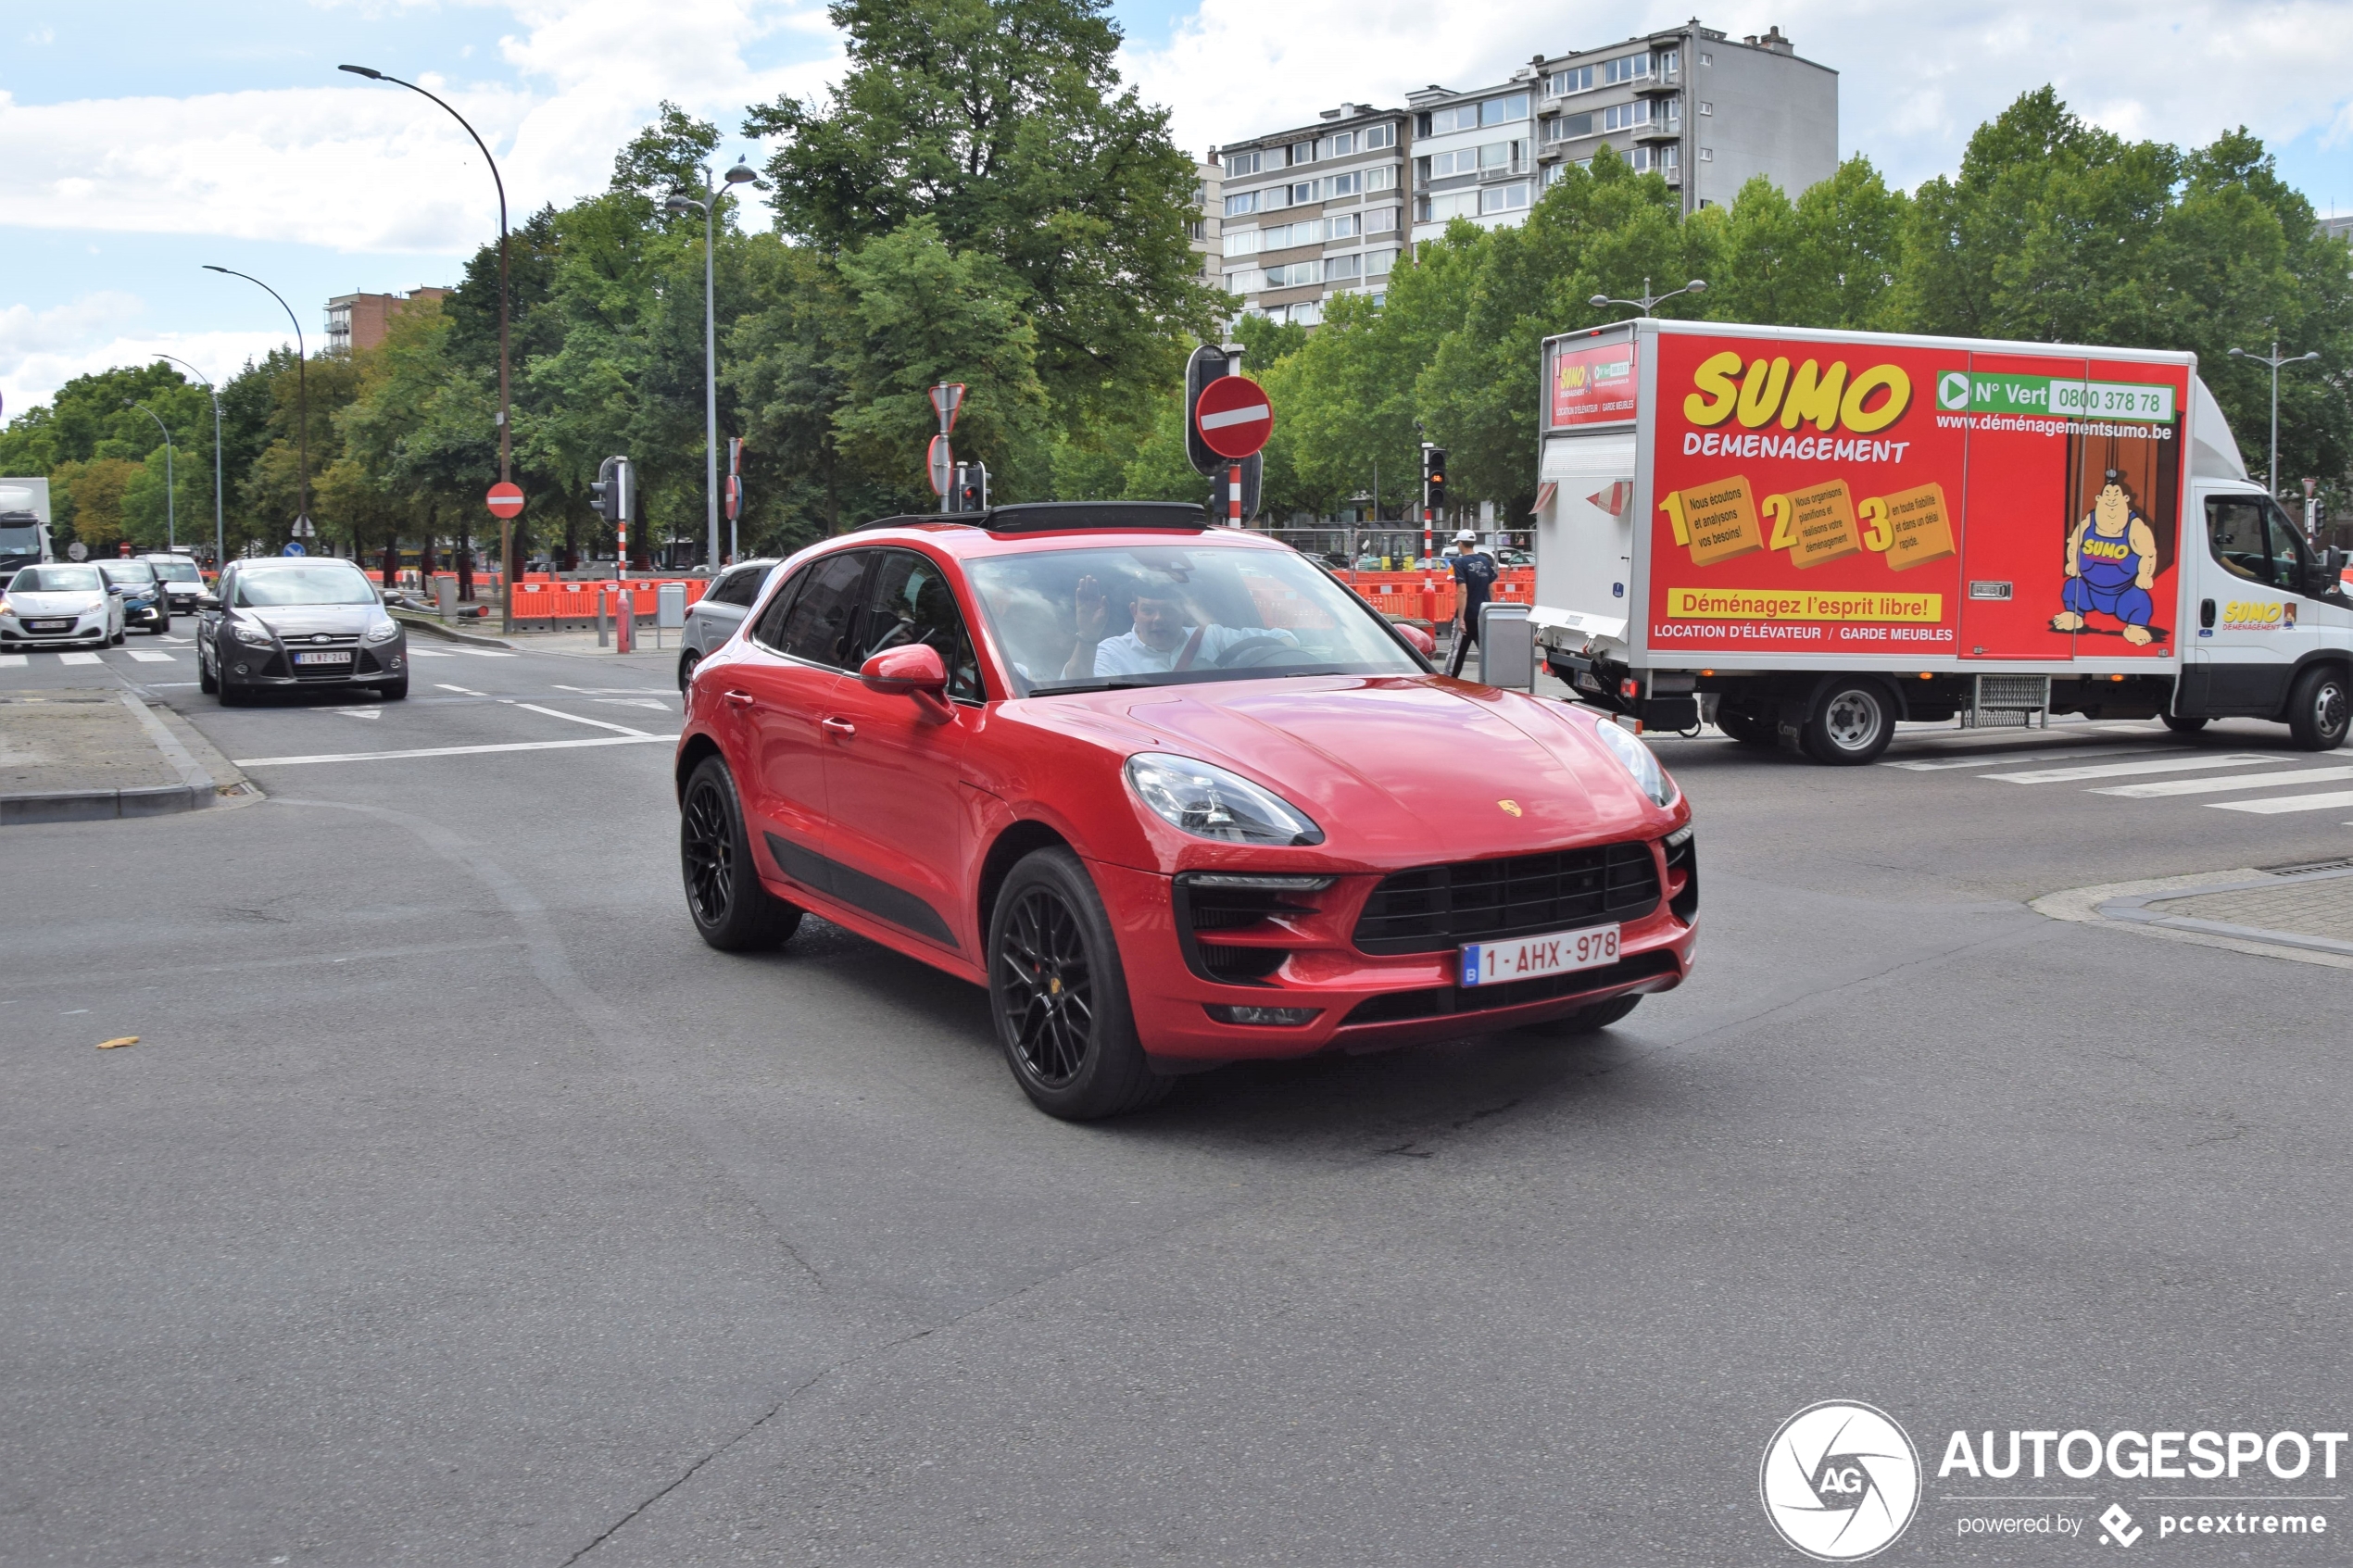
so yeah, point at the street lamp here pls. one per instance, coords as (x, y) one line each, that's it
(679, 202)
(302, 394)
(2275, 359)
(1650, 301)
(506, 464)
(219, 544)
(171, 529)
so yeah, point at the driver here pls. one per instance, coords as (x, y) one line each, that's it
(1164, 640)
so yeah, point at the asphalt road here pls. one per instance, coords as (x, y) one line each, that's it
(458, 1206)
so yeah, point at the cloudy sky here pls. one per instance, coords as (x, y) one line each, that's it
(139, 139)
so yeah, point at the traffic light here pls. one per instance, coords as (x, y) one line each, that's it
(1434, 479)
(1206, 365)
(614, 491)
(970, 492)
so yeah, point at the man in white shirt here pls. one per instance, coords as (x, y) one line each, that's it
(1163, 639)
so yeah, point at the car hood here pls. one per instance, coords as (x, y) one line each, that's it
(77, 602)
(303, 621)
(1421, 766)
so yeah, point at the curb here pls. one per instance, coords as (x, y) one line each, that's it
(195, 790)
(2124, 906)
(419, 622)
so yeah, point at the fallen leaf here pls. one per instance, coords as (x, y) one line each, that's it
(117, 1042)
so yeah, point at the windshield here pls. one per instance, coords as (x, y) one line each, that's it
(1149, 615)
(19, 539)
(127, 571)
(321, 584)
(57, 580)
(177, 570)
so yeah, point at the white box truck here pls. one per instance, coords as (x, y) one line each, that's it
(24, 526)
(1807, 536)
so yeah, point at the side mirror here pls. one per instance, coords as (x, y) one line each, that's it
(207, 601)
(1424, 643)
(915, 671)
(115, 588)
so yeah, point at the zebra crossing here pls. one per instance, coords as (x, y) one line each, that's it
(182, 651)
(2267, 784)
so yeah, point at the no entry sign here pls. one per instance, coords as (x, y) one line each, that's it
(1234, 417)
(506, 500)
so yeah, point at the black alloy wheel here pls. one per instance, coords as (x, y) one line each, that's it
(205, 681)
(1060, 997)
(2319, 709)
(731, 909)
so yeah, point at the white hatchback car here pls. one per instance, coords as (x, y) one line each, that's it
(59, 603)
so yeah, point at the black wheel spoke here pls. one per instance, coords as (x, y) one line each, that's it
(1046, 998)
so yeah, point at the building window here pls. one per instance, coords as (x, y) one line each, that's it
(1576, 79)
(1569, 127)
(1705, 58)
(1344, 226)
(1241, 242)
(1454, 204)
(1503, 198)
(1667, 62)
(1707, 155)
(1308, 312)
(1340, 185)
(1302, 152)
(1381, 179)
(1626, 117)
(1200, 227)
(1381, 220)
(1462, 117)
(1706, 107)
(1247, 280)
(1380, 298)
(1378, 262)
(1237, 206)
(1630, 68)
(1242, 163)
(1379, 136)
(1498, 111)
(1339, 143)
(1662, 158)
(1341, 269)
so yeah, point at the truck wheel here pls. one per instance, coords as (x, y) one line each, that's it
(1747, 728)
(2319, 709)
(2183, 723)
(1851, 725)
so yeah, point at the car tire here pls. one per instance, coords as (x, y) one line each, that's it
(687, 662)
(2319, 708)
(162, 626)
(1851, 725)
(119, 638)
(394, 691)
(1585, 1021)
(235, 697)
(2183, 723)
(731, 909)
(205, 681)
(1058, 994)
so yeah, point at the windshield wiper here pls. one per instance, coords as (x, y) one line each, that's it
(1111, 685)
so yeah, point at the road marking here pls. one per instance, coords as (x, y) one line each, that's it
(577, 719)
(483, 653)
(356, 712)
(145, 657)
(1994, 758)
(2278, 803)
(451, 751)
(2118, 770)
(13, 661)
(426, 653)
(653, 702)
(78, 658)
(2237, 781)
(461, 691)
(611, 691)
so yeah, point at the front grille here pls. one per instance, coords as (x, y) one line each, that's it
(1440, 1001)
(1684, 858)
(1430, 909)
(1241, 965)
(1203, 911)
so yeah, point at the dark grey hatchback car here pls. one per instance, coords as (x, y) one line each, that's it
(286, 621)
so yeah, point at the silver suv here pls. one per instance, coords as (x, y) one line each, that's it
(713, 619)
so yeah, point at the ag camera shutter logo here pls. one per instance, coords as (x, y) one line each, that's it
(1952, 390)
(1840, 1481)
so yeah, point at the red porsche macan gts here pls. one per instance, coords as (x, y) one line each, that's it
(1174, 794)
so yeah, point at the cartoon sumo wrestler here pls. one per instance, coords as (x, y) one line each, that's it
(2111, 560)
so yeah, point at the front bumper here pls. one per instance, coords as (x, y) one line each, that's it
(1362, 1001)
(247, 666)
(150, 614)
(86, 629)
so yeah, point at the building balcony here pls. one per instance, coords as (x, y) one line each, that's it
(1517, 168)
(1660, 131)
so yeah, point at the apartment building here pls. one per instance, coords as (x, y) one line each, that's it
(1309, 213)
(1209, 221)
(360, 321)
(1703, 110)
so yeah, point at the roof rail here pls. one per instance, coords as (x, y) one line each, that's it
(1054, 517)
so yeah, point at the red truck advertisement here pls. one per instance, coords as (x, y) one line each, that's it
(1906, 501)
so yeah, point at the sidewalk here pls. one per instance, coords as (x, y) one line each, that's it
(76, 754)
(2304, 914)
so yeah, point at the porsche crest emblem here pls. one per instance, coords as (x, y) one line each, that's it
(1510, 806)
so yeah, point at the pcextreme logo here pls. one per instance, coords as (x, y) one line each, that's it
(1840, 1481)
(1874, 399)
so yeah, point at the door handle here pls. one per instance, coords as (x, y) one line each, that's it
(2206, 613)
(840, 726)
(741, 699)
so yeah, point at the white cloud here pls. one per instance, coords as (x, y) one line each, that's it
(1914, 80)
(364, 167)
(41, 350)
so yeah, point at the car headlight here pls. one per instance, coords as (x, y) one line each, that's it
(253, 636)
(384, 631)
(1212, 803)
(1649, 777)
